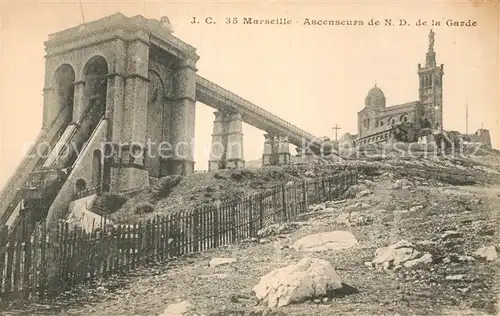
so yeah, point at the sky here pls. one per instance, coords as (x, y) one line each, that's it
(314, 76)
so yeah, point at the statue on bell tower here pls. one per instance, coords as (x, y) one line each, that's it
(431, 41)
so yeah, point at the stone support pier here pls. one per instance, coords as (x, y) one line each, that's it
(234, 146)
(219, 138)
(268, 156)
(276, 150)
(283, 148)
(227, 142)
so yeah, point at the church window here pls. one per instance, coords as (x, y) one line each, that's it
(376, 124)
(381, 123)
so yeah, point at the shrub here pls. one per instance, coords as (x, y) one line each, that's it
(109, 203)
(165, 185)
(144, 208)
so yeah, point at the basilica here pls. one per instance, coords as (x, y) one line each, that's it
(380, 123)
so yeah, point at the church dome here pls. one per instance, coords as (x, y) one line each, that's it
(375, 97)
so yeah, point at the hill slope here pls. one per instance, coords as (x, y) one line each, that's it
(424, 214)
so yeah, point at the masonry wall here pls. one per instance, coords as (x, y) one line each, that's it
(82, 170)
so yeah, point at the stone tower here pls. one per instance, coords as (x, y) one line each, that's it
(136, 76)
(431, 87)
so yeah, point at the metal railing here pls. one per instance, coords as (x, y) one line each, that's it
(247, 105)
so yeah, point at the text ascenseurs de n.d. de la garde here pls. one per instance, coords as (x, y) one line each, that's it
(369, 22)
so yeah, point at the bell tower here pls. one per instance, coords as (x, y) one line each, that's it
(431, 87)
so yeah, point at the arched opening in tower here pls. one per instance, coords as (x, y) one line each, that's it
(95, 90)
(64, 79)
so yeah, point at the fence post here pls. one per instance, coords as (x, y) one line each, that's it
(233, 208)
(341, 185)
(283, 197)
(251, 224)
(196, 230)
(261, 210)
(330, 197)
(315, 190)
(325, 194)
(216, 227)
(304, 194)
(295, 202)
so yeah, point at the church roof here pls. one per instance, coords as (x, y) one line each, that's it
(376, 92)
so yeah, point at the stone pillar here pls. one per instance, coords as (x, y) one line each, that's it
(219, 141)
(115, 94)
(129, 148)
(269, 150)
(234, 147)
(183, 117)
(78, 100)
(283, 150)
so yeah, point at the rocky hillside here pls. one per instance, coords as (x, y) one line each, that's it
(400, 243)
(173, 194)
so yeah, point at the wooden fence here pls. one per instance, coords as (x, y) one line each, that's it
(50, 263)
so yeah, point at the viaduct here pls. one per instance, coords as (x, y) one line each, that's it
(129, 84)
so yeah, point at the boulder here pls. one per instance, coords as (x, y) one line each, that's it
(214, 262)
(369, 184)
(402, 184)
(335, 240)
(488, 253)
(416, 208)
(354, 219)
(400, 254)
(363, 193)
(177, 309)
(307, 279)
(450, 234)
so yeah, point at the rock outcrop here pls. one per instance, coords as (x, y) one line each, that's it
(309, 278)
